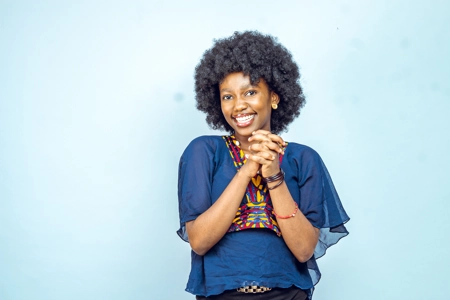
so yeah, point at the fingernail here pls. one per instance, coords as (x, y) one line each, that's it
(246, 155)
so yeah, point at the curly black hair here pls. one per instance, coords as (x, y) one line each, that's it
(257, 56)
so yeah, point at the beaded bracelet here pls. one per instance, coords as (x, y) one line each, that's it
(289, 216)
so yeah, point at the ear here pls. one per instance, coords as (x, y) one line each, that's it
(274, 98)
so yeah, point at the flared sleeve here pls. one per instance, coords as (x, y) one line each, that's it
(194, 181)
(319, 202)
(333, 228)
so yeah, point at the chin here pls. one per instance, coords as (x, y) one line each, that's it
(244, 131)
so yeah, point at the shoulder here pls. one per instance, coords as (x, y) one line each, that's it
(303, 152)
(203, 145)
(205, 141)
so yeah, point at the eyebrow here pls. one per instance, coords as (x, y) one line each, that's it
(243, 87)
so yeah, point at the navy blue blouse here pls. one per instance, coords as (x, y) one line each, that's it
(256, 256)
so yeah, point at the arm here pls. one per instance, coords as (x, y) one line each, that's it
(298, 233)
(208, 228)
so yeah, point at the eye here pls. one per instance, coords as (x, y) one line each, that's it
(226, 97)
(250, 93)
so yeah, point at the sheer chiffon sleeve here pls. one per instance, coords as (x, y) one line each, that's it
(194, 182)
(320, 204)
(333, 228)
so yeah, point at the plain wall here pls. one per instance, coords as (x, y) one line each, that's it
(97, 105)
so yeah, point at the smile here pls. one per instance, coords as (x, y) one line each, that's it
(244, 120)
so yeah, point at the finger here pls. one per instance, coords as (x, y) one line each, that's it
(267, 145)
(260, 135)
(259, 158)
(271, 148)
(267, 155)
(261, 131)
(274, 146)
(276, 139)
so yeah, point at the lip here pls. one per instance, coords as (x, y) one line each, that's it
(244, 120)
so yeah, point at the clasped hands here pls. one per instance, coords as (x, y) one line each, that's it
(263, 157)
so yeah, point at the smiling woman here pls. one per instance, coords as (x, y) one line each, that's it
(256, 210)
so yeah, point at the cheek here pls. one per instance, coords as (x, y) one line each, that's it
(222, 109)
(264, 105)
(225, 109)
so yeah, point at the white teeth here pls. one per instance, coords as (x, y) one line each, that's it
(244, 118)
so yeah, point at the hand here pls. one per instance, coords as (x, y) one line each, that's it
(264, 151)
(250, 168)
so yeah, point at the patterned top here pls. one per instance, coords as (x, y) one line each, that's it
(256, 210)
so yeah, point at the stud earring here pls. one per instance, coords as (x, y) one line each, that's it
(274, 105)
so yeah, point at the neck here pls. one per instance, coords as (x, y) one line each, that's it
(244, 144)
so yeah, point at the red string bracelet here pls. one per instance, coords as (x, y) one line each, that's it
(289, 216)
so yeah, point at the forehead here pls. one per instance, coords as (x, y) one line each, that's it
(239, 80)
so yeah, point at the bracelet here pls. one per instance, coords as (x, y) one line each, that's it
(278, 176)
(277, 185)
(289, 216)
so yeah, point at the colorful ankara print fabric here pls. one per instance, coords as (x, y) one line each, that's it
(256, 210)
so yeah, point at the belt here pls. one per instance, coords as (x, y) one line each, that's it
(253, 289)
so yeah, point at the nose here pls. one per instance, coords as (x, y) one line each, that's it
(240, 104)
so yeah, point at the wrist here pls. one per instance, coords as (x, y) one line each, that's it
(243, 176)
(276, 176)
(270, 173)
(275, 181)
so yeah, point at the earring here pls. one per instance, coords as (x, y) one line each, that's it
(274, 105)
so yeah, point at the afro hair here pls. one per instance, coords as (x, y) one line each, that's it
(257, 56)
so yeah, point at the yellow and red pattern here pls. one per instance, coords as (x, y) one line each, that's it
(256, 209)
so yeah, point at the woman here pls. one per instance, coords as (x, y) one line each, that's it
(256, 210)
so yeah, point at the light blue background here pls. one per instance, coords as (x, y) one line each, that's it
(97, 105)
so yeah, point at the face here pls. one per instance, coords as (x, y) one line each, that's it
(246, 107)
